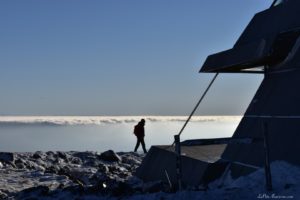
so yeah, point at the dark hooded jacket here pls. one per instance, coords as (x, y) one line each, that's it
(139, 130)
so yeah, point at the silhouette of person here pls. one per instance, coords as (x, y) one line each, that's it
(139, 132)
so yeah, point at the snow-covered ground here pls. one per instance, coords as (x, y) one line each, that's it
(109, 175)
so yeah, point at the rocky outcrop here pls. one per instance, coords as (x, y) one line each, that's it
(110, 156)
(50, 174)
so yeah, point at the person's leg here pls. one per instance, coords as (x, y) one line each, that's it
(137, 144)
(143, 145)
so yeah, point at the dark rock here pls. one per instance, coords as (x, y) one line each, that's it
(112, 169)
(92, 163)
(41, 163)
(61, 186)
(28, 165)
(51, 157)
(110, 155)
(131, 160)
(65, 170)
(103, 168)
(124, 174)
(19, 160)
(20, 163)
(72, 175)
(128, 167)
(3, 195)
(53, 169)
(7, 157)
(12, 165)
(20, 166)
(38, 155)
(32, 165)
(76, 160)
(62, 155)
(50, 153)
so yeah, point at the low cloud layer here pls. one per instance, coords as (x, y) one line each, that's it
(98, 120)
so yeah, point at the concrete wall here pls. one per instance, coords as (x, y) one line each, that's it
(158, 160)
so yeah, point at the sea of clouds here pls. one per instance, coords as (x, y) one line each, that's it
(98, 120)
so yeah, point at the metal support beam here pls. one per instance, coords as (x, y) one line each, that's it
(195, 108)
(178, 161)
(267, 158)
(168, 179)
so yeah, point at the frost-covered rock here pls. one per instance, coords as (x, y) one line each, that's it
(83, 175)
(76, 160)
(103, 168)
(131, 160)
(110, 155)
(3, 195)
(39, 155)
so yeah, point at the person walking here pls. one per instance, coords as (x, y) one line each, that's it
(139, 132)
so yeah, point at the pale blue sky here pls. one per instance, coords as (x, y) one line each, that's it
(120, 57)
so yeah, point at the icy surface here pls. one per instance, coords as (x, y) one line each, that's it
(86, 175)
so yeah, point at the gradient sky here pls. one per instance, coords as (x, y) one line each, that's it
(120, 57)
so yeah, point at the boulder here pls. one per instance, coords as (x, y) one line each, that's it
(3, 195)
(103, 168)
(131, 160)
(110, 155)
(62, 155)
(76, 160)
(7, 157)
(20, 163)
(38, 155)
(53, 169)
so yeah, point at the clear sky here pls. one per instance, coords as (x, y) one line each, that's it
(120, 57)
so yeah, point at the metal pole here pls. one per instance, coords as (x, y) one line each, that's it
(168, 179)
(267, 158)
(202, 97)
(178, 161)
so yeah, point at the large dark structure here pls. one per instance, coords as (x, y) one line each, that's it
(270, 42)
(269, 45)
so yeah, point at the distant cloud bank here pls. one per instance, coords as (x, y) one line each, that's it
(98, 120)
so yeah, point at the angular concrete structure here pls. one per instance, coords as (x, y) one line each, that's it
(271, 42)
(270, 45)
(196, 162)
